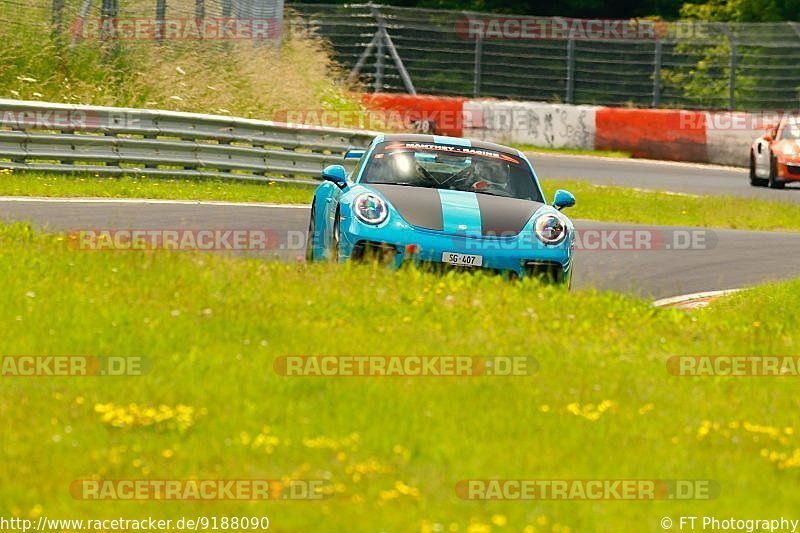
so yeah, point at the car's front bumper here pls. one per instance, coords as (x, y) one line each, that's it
(788, 170)
(523, 254)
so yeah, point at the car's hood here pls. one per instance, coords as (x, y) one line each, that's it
(791, 144)
(458, 212)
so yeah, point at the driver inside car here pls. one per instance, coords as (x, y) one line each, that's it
(491, 175)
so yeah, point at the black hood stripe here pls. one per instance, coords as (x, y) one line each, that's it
(504, 216)
(419, 206)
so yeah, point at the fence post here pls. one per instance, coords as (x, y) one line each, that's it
(732, 77)
(398, 63)
(657, 75)
(379, 52)
(570, 71)
(363, 59)
(108, 12)
(161, 16)
(477, 71)
(734, 63)
(57, 20)
(77, 32)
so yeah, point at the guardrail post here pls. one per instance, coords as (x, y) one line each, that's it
(227, 8)
(477, 71)
(200, 9)
(570, 71)
(657, 75)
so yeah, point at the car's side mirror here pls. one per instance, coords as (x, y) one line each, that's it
(563, 199)
(335, 174)
(768, 137)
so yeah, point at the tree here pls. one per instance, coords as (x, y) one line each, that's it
(743, 10)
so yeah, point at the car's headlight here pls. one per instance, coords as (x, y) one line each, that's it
(370, 208)
(551, 229)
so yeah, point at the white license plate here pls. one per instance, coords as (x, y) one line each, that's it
(462, 259)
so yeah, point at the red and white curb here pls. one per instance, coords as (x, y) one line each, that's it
(693, 301)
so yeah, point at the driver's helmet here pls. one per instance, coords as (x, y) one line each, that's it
(491, 171)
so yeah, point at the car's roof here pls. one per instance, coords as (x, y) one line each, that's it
(453, 141)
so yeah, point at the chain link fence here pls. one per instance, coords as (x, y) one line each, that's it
(703, 65)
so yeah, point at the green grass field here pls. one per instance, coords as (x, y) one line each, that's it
(622, 204)
(595, 202)
(602, 405)
(66, 186)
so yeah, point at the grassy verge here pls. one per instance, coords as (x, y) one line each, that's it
(621, 204)
(46, 184)
(595, 202)
(234, 77)
(572, 151)
(602, 405)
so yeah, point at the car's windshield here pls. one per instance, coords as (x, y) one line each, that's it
(790, 131)
(459, 168)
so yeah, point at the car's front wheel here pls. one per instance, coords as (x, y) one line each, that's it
(310, 239)
(335, 239)
(774, 181)
(755, 181)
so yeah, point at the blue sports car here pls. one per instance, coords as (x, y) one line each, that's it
(444, 202)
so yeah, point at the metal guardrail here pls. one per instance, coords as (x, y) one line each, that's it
(116, 141)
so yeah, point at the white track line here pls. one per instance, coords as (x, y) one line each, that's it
(684, 298)
(141, 201)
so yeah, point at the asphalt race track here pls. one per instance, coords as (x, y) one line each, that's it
(721, 259)
(658, 175)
